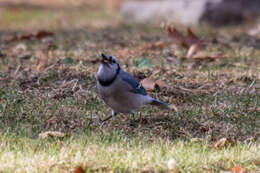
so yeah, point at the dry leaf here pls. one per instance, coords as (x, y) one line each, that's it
(41, 34)
(51, 134)
(148, 84)
(161, 84)
(192, 50)
(204, 55)
(38, 35)
(192, 38)
(221, 143)
(185, 41)
(238, 169)
(79, 169)
(192, 43)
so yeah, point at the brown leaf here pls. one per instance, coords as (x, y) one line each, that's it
(192, 38)
(238, 169)
(224, 142)
(79, 169)
(176, 35)
(192, 43)
(161, 84)
(148, 84)
(51, 134)
(38, 35)
(42, 33)
(192, 50)
(204, 55)
(185, 41)
(221, 143)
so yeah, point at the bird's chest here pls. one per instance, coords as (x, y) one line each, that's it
(108, 92)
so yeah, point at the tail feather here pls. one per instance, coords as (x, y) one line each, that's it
(160, 104)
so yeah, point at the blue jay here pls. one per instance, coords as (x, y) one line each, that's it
(120, 90)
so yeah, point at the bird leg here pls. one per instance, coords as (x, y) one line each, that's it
(133, 115)
(110, 116)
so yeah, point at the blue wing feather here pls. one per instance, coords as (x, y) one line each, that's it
(136, 86)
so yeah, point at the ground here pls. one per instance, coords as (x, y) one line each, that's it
(48, 64)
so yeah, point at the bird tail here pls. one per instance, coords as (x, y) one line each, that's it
(160, 104)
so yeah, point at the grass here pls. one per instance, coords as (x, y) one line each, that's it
(49, 85)
(101, 152)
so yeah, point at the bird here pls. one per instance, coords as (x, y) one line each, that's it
(120, 90)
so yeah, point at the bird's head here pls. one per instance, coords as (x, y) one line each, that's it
(109, 60)
(108, 68)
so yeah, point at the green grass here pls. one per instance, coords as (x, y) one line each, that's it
(116, 152)
(215, 100)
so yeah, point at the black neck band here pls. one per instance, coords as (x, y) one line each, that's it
(110, 81)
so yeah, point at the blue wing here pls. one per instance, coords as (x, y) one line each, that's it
(136, 86)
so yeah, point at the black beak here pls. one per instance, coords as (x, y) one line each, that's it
(105, 59)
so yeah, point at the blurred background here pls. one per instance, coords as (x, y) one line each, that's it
(54, 13)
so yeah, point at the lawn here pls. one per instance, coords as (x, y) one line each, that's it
(48, 64)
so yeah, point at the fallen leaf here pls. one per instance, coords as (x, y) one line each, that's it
(192, 50)
(191, 42)
(204, 55)
(148, 84)
(161, 84)
(51, 134)
(176, 35)
(223, 142)
(79, 169)
(41, 34)
(238, 169)
(220, 143)
(185, 41)
(192, 38)
(37, 35)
